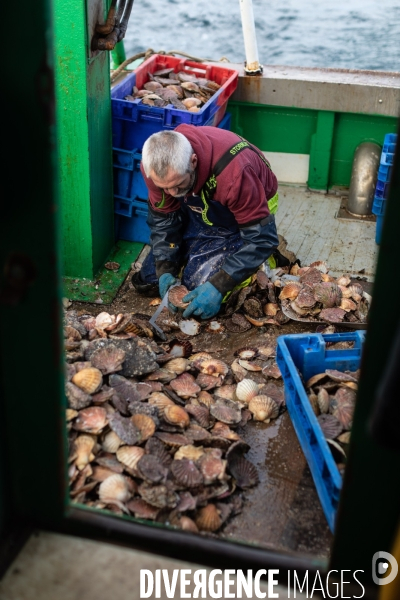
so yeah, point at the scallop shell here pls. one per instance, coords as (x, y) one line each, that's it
(344, 280)
(323, 400)
(150, 469)
(238, 371)
(246, 390)
(344, 438)
(253, 307)
(72, 333)
(91, 420)
(330, 425)
(223, 430)
(214, 367)
(177, 365)
(262, 279)
(142, 509)
(200, 356)
(180, 349)
(329, 294)
(114, 487)
(189, 326)
(226, 391)
(89, 380)
(212, 468)
(347, 304)
(313, 398)
(238, 323)
(272, 370)
(195, 433)
(125, 429)
(176, 415)
(208, 518)
(185, 386)
(200, 413)
(306, 298)
(157, 448)
(108, 359)
(244, 472)
(130, 455)
(103, 320)
(161, 401)
(226, 411)
(246, 353)
(270, 309)
(340, 376)
(208, 382)
(332, 315)
(311, 276)
(161, 375)
(190, 452)
(186, 473)
(145, 426)
(70, 414)
(215, 327)
(83, 447)
(161, 496)
(342, 407)
(346, 292)
(320, 265)
(263, 408)
(174, 440)
(176, 294)
(111, 442)
(249, 366)
(187, 524)
(356, 291)
(205, 399)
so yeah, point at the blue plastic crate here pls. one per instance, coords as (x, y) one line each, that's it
(378, 206)
(389, 142)
(133, 122)
(132, 227)
(382, 189)
(378, 230)
(128, 180)
(384, 173)
(299, 357)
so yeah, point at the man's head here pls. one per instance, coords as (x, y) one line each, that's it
(168, 159)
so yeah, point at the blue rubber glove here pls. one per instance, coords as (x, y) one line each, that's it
(205, 301)
(164, 283)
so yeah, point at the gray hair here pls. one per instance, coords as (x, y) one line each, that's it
(166, 150)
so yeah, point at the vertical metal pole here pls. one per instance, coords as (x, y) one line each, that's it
(252, 65)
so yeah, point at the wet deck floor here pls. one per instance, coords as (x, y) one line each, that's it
(283, 512)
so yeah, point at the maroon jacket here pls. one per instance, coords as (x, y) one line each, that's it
(244, 186)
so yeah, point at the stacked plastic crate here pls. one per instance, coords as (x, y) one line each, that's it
(133, 122)
(382, 184)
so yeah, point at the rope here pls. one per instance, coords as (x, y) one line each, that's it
(150, 51)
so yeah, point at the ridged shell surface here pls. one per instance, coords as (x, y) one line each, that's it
(176, 415)
(130, 455)
(111, 442)
(145, 425)
(186, 473)
(246, 390)
(89, 380)
(208, 518)
(114, 487)
(214, 367)
(190, 452)
(108, 359)
(263, 408)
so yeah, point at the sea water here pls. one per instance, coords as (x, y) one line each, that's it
(348, 34)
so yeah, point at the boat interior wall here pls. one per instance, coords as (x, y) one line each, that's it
(336, 90)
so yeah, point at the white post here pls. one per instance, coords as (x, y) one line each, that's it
(253, 66)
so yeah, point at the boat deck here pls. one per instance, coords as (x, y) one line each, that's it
(308, 221)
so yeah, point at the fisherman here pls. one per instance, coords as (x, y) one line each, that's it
(212, 196)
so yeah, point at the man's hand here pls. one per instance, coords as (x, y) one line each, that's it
(164, 283)
(205, 301)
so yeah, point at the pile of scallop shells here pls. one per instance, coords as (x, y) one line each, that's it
(307, 294)
(154, 430)
(179, 89)
(332, 395)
